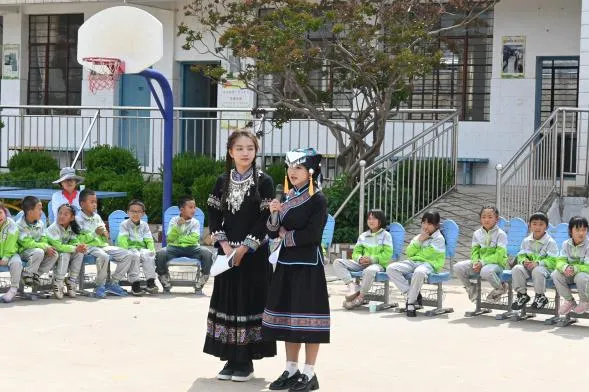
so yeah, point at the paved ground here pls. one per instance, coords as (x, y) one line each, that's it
(155, 344)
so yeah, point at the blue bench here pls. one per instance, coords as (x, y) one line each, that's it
(451, 231)
(467, 168)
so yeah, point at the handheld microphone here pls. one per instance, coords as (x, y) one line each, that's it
(279, 193)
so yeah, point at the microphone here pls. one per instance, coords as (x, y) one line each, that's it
(279, 193)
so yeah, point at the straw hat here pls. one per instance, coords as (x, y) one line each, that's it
(68, 173)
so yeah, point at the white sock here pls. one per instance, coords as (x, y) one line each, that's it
(291, 368)
(309, 371)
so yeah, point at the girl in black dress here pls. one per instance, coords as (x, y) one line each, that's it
(238, 211)
(297, 310)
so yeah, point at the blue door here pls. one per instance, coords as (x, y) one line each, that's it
(134, 126)
(198, 129)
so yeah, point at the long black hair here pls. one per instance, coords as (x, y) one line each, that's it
(229, 164)
(73, 224)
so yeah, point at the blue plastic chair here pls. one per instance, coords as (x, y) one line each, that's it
(50, 212)
(517, 231)
(43, 217)
(398, 233)
(114, 223)
(451, 232)
(560, 233)
(328, 230)
(502, 223)
(184, 261)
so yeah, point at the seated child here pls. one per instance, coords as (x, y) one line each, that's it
(536, 259)
(183, 241)
(572, 266)
(134, 235)
(63, 236)
(68, 181)
(488, 256)
(372, 253)
(427, 254)
(9, 252)
(95, 236)
(33, 244)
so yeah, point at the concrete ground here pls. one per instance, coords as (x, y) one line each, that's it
(155, 343)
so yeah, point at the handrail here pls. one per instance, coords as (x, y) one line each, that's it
(94, 119)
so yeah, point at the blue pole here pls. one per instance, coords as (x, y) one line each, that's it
(167, 111)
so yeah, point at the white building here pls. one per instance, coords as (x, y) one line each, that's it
(498, 113)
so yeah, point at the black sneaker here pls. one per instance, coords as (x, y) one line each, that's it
(151, 286)
(227, 372)
(411, 311)
(419, 304)
(136, 289)
(28, 280)
(243, 372)
(304, 384)
(540, 301)
(284, 381)
(521, 301)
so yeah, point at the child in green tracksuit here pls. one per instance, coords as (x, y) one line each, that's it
(488, 256)
(427, 254)
(9, 256)
(536, 259)
(373, 253)
(32, 241)
(572, 266)
(183, 237)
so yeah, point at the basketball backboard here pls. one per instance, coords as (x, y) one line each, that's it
(129, 34)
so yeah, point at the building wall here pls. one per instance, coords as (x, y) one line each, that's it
(551, 28)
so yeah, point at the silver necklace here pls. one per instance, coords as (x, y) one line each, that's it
(238, 190)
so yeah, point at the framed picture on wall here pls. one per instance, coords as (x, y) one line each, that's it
(514, 56)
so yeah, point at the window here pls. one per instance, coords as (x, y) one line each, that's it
(55, 76)
(463, 79)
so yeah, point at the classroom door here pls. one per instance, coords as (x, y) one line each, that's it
(134, 125)
(198, 129)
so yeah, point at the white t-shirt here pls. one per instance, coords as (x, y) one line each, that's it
(58, 199)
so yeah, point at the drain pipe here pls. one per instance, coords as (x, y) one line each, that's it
(499, 169)
(361, 196)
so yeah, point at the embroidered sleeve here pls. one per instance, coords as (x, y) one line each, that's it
(270, 226)
(216, 212)
(219, 236)
(214, 201)
(251, 242)
(289, 239)
(259, 226)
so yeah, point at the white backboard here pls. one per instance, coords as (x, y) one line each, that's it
(126, 33)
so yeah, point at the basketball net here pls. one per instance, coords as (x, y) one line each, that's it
(104, 73)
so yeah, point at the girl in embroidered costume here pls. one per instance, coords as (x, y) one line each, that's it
(297, 310)
(238, 211)
(68, 181)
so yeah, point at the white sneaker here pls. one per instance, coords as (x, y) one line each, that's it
(353, 291)
(71, 288)
(58, 290)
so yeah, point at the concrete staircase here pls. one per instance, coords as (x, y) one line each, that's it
(463, 206)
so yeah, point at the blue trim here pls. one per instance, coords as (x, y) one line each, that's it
(280, 326)
(298, 315)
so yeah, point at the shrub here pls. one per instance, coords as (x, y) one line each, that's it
(114, 159)
(187, 167)
(277, 172)
(36, 161)
(108, 180)
(153, 194)
(346, 225)
(28, 178)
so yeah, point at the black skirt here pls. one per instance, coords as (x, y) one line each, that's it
(234, 322)
(297, 310)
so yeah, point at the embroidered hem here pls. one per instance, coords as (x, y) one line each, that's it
(289, 239)
(251, 242)
(233, 335)
(219, 236)
(296, 321)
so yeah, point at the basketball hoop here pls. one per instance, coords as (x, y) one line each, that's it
(104, 72)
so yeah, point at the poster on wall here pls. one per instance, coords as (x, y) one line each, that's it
(10, 61)
(514, 54)
(232, 93)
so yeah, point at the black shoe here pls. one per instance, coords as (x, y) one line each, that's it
(419, 301)
(411, 311)
(136, 289)
(284, 381)
(540, 301)
(303, 384)
(227, 372)
(521, 301)
(243, 372)
(151, 287)
(28, 280)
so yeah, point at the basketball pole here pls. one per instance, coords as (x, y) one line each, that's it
(167, 111)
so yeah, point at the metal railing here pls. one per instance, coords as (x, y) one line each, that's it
(412, 176)
(61, 130)
(551, 160)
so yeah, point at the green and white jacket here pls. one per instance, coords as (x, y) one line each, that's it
(543, 251)
(88, 225)
(8, 239)
(489, 247)
(63, 240)
(32, 235)
(183, 235)
(377, 246)
(431, 251)
(575, 255)
(135, 236)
